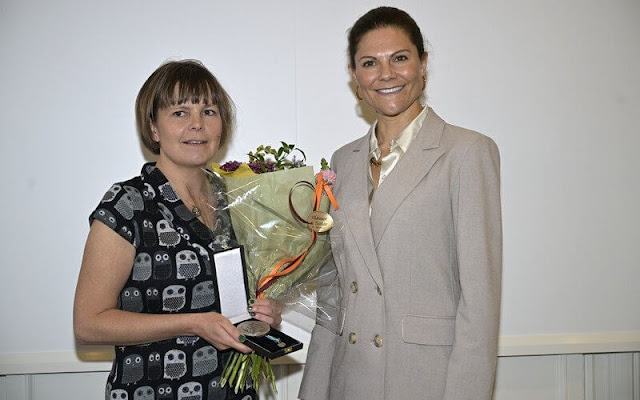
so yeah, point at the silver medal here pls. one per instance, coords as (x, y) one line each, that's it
(254, 328)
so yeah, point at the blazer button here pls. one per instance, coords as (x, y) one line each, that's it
(353, 338)
(377, 340)
(379, 290)
(354, 287)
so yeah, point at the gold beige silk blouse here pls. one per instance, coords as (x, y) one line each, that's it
(399, 145)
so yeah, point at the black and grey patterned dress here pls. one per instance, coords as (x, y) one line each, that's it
(172, 273)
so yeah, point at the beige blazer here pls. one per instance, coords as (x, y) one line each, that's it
(417, 309)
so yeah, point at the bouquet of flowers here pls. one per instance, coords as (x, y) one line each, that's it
(279, 212)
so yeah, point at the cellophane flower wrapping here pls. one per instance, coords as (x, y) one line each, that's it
(263, 222)
(269, 200)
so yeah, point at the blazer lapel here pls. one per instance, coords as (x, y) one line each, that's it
(355, 205)
(407, 173)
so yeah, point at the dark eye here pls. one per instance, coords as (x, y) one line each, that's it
(402, 57)
(368, 63)
(210, 112)
(179, 113)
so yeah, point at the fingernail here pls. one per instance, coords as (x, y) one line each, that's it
(241, 338)
(252, 314)
(250, 308)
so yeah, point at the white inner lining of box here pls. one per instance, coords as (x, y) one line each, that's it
(231, 286)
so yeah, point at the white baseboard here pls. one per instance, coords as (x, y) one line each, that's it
(98, 359)
(85, 360)
(611, 342)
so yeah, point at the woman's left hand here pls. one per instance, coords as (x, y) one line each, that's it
(266, 310)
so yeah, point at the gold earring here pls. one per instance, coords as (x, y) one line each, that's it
(424, 82)
(358, 93)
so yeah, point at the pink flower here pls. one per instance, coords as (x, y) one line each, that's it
(329, 176)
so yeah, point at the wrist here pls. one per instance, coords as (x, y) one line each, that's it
(199, 324)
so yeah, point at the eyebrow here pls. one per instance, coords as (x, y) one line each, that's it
(392, 54)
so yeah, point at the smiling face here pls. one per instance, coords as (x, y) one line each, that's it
(389, 72)
(188, 134)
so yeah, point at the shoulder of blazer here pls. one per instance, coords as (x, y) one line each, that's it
(457, 139)
(344, 153)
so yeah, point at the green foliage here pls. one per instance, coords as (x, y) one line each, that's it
(268, 158)
(324, 164)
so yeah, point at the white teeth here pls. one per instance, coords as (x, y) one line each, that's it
(390, 90)
(195, 141)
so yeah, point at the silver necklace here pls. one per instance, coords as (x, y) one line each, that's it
(195, 210)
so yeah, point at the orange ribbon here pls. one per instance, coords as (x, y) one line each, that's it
(290, 264)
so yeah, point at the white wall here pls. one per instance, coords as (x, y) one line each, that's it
(554, 83)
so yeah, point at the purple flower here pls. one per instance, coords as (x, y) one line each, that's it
(270, 166)
(297, 163)
(230, 166)
(255, 166)
(262, 167)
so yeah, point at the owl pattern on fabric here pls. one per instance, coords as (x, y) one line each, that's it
(172, 273)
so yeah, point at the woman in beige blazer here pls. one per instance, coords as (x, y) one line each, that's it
(417, 240)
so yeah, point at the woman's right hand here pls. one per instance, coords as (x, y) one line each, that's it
(220, 332)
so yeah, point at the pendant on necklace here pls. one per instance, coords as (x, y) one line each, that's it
(196, 211)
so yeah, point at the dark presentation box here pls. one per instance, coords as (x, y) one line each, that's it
(234, 295)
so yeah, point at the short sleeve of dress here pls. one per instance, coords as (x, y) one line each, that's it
(117, 210)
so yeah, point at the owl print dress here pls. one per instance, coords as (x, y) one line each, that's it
(172, 273)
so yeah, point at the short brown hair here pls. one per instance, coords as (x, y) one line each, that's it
(194, 82)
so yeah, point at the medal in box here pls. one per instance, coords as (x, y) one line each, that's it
(233, 292)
